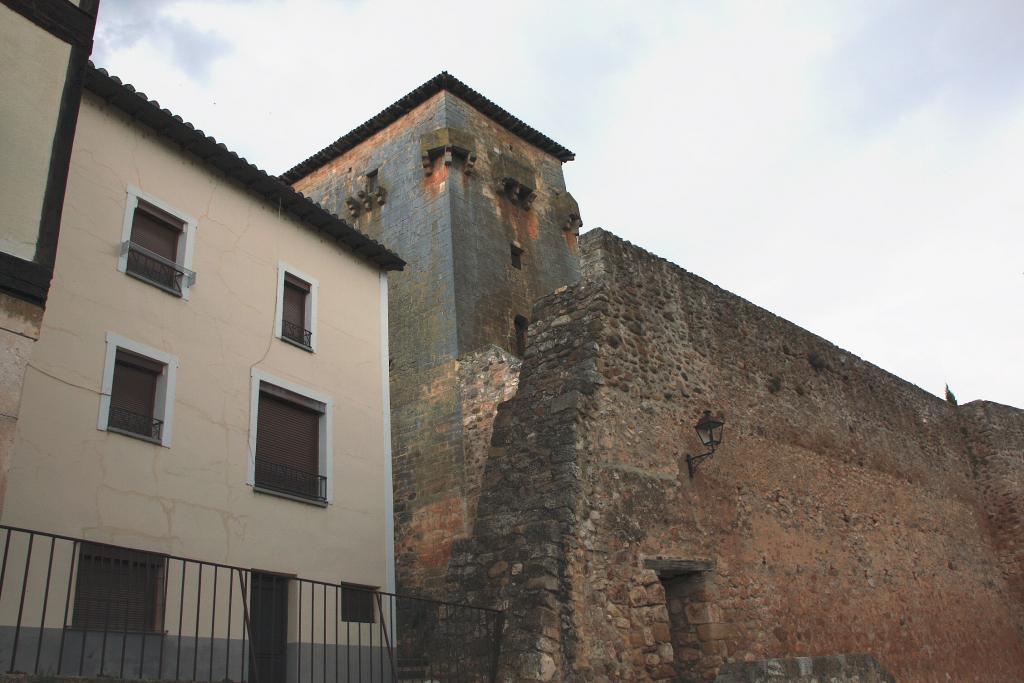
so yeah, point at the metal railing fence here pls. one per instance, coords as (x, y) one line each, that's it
(297, 333)
(71, 607)
(135, 423)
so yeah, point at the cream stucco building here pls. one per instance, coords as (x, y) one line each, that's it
(210, 383)
(44, 47)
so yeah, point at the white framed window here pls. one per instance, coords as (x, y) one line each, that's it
(290, 432)
(157, 242)
(295, 320)
(138, 386)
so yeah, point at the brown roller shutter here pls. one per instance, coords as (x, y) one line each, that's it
(295, 304)
(134, 385)
(118, 589)
(156, 231)
(288, 434)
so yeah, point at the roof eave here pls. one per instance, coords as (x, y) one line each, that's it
(442, 82)
(254, 179)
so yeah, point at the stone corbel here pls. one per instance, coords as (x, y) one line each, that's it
(568, 212)
(354, 206)
(367, 200)
(517, 192)
(516, 180)
(573, 223)
(448, 153)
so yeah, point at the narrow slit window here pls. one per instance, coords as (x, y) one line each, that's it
(371, 181)
(517, 255)
(521, 325)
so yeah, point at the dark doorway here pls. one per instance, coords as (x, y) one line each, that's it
(268, 614)
(681, 593)
(695, 625)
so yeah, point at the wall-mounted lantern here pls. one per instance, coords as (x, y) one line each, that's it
(709, 431)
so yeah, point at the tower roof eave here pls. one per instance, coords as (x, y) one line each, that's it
(442, 82)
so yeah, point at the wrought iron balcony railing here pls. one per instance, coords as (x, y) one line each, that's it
(135, 423)
(274, 476)
(296, 333)
(155, 269)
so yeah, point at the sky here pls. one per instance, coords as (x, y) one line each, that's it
(856, 167)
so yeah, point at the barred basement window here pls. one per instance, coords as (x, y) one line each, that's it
(118, 590)
(133, 395)
(288, 444)
(357, 604)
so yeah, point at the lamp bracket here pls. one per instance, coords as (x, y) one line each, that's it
(693, 460)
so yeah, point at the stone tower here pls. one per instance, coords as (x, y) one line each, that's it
(475, 201)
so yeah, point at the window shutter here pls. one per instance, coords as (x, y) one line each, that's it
(118, 589)
(288, 434)
(134, 385)
(357, 604)
(151, 230)
(295, 304)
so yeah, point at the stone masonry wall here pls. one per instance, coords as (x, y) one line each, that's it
(490, 291)
(995, 437)
(838, 669)
(840, 515)
(841, 511)
(19, 329)
(458, 296)
(487, 378)
(524, 536)
(414, 220)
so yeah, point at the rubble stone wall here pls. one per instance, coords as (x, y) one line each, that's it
(995, 439)
(840, 515)
(524, 539)
(837, 669)
(487, 378)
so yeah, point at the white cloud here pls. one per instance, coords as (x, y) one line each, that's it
(853, 167)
